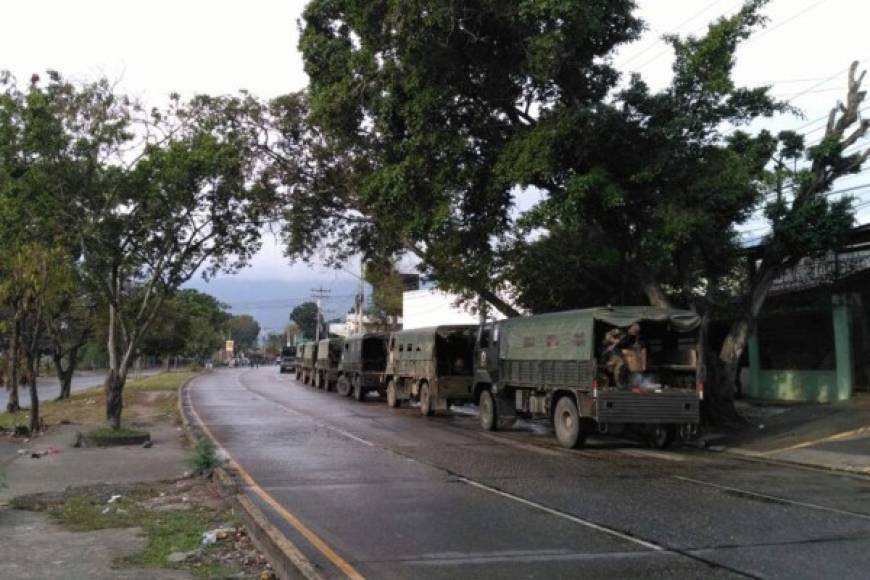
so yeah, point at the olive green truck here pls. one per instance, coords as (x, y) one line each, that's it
(305, 362)
(363, 364)
(600, 369)
(326, 363)
(431, 365)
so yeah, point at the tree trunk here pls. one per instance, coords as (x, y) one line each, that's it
(727, 365)
(65, 374)
(652, 288)
(114, 387)
(34, 393)
(12, 403)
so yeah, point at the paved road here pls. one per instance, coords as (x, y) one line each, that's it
(396, 495)
(49, 387)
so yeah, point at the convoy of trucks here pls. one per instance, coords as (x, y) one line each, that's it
(605, 370)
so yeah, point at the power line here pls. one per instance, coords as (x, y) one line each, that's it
(675, 30)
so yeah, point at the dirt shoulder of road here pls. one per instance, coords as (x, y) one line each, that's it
(116, 512)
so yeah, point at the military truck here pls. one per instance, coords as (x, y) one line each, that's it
(287, 360)
(434, 366)
(363, 362)
(326, 364)
(305, 362)
(605, 369)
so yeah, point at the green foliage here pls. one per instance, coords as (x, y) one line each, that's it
(191, 323)
(204, 459)
(304, 316)
(387, 288)
(245, 330)
(412, 105)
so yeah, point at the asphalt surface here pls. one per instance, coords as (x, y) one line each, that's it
(49, 387)
(397, 495)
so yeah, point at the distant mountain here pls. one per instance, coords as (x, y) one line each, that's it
(270, 301)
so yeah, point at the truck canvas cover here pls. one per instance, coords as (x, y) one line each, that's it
(570, 335)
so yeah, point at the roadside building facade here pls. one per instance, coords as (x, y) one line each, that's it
(813, 337)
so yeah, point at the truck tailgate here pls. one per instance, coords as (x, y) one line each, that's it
(681, 406)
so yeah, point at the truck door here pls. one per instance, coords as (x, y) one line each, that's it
(486, 354)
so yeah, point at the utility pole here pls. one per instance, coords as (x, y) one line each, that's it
(318, 294)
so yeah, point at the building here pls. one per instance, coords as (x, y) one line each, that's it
(813, 337)
(433, 307)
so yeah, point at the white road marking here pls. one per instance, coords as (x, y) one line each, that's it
(646, 453)
(521, 556)
(565, 516)
(773, 497)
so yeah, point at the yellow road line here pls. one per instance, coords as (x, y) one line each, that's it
(829, 439)
(291, 519)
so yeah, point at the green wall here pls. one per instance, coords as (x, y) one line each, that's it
(821, 386)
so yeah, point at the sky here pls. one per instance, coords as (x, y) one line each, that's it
(195, 46)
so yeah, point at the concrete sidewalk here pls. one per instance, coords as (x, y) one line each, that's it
(834, 436)
(34, 547)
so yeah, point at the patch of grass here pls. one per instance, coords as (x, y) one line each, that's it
(109, 433)
(204, 458)
(89, 406)
(165, 531)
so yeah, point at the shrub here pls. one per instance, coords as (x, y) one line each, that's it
(204, 458)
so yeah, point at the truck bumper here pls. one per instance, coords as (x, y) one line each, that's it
(679, 407)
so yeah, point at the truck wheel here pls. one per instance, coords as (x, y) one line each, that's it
(358, 392)
(569, 426)
(425, 400)
(661, 436)
(392, 396)
(343, 386)
(488, 411)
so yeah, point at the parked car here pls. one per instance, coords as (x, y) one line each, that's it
(287, 360)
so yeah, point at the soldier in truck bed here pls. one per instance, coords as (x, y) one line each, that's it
(615, 341)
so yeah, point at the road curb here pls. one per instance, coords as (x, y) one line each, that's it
(288, 561)
(760, 457)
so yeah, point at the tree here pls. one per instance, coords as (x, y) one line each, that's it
(186, 204)
(387, 289)
(191, 323)
(69, 326)
(305, 317)
(39, 162)
(655, 181)
(412, 105)
(244, 330)
(35, 279)
(275, 341)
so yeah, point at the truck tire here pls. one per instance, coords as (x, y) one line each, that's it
(343, 386)
(488, 411)
(393, 401)
(425, 400)
(358, 393)
(569, 426)
(661, 436)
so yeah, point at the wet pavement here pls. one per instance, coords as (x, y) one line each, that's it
(396, 495)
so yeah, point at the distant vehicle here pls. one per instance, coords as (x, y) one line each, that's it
(287, 360)
(362, 366)
(434, 366)
(604, 369)
(305, 362)
(326, 365)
